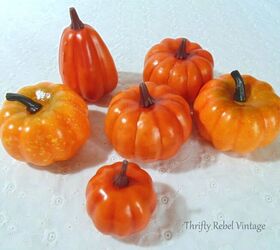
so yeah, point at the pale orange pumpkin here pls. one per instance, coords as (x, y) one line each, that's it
(237, 113)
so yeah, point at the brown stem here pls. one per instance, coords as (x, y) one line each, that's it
(181, 52)
(146, 100)
(121, 180)
(240, 93)
(76, 23)
(31, 106)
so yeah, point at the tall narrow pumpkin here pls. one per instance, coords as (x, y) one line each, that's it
(85, 62)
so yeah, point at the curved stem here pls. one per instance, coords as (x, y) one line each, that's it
(76, 23)
(181, 52)
(121, 180)
(31, 106)
(146, 100)
(239, 94)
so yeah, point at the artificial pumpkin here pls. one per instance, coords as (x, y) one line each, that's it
(85, 62)
(148, 122)
(238, 113)
(181, 64)
(44, 123)
(120, 199)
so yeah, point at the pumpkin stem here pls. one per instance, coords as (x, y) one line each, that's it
(181, 52)
(146, 100)
(239, 94)
(121, 180)
(31, 106)
(76, 23)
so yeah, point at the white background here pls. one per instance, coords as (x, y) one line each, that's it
(45, 209)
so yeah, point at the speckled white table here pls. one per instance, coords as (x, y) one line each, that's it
(45, 209)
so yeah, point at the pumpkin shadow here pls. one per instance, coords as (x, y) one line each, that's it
(270, 153)
(94, 152)
(167, 221)
(126, 79)
(195, 153)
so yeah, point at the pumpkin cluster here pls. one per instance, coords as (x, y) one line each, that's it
(149, 121)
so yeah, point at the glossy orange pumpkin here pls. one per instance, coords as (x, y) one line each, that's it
(238, 113)
(44, 123)
(120, 199)
(85, 62)
(148, 122)
(181, 64)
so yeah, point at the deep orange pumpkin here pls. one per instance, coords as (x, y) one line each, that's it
(238, 113)
(120, 199)
(181, 64)
(148, 122)
(85, 62)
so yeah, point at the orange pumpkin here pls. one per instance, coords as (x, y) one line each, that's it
(148, 122)
(181, 64)
(85, 62)
(120, 199)
(43, 123)
(238, 113)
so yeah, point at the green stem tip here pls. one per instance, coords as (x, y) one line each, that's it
(240, 93)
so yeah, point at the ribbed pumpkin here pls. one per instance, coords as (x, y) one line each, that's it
(44, 123)
(120, 199)
(85, 62)
(237, 113)
(148, 122)
(181, 64)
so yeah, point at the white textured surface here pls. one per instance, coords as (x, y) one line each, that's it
(42, 209)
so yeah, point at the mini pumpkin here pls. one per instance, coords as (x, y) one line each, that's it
(181, 64)
(237, 113)
(44, 123)
(85, 62)
(120, 199)
(148, 122)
